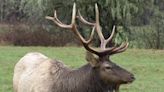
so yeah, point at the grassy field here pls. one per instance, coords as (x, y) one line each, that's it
(147, 65)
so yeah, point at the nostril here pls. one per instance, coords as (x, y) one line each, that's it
(132, 78)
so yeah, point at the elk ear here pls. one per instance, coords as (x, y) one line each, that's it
(92, 59)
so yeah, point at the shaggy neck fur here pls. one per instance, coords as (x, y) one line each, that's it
(84, 79)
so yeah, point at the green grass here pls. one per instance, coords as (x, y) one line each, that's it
(147, 65)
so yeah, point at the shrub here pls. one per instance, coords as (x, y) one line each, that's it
(36, 36)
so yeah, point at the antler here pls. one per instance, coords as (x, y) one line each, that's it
(104, 41)
(73, 27)
(86, 43)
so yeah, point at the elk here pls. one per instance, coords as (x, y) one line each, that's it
(36, 72)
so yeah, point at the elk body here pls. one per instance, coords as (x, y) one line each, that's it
(38, 73)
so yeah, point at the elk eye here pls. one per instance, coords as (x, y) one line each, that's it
(108, 67)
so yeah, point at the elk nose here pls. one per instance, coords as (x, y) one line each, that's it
(132, 78)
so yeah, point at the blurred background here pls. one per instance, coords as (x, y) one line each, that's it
(23, 23)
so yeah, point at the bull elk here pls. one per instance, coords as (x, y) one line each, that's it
(38, 73)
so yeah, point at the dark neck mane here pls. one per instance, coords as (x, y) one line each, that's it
(83, 79)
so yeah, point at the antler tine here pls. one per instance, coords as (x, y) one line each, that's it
(120, 49)
(73, 14)
(73, 24)
(91, 36)
(74, 28)
(98, 28)
(55, 17)
(112, 34)
(87, 42)
(123, 49)
(83, 20)
(113, 50)
(57, 22)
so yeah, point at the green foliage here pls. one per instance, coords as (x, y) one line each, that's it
(148, 25)
(146, 65)
(143, 37)
(126, 14)
(36, 10)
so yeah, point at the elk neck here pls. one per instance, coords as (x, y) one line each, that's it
(84, 79)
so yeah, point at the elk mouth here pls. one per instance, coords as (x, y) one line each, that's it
(114, 88)
(127, 82)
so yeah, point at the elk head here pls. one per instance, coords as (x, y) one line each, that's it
(109, 72)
